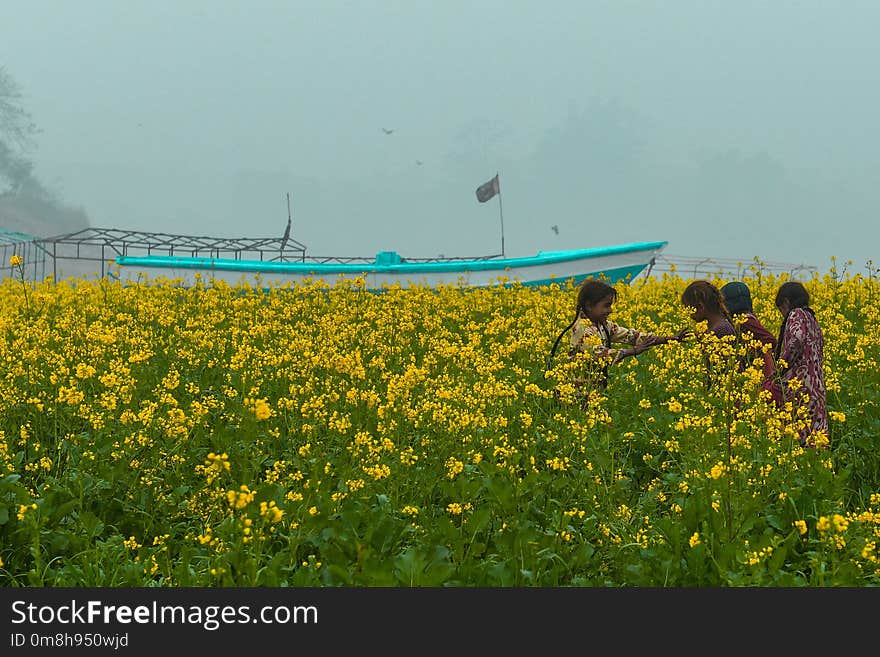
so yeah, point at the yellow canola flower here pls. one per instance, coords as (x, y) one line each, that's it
(259, 407)
(23, 510)
(240, 499)
(456, 509)
(270, 511)
(717, 471)
(131, 543)
(840, 523)
(454, 467)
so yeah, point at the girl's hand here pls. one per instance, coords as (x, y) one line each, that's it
(681, 335)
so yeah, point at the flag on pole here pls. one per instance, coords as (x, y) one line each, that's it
(488, 190)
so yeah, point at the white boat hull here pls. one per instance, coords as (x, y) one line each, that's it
(614, 263)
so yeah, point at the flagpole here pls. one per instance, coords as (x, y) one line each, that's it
(500, 212)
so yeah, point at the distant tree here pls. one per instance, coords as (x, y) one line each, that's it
(17, 132)
(25, 204)
(16, 125)
(16, 169)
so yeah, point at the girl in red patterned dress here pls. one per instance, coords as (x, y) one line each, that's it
(738, 299)
(800, 348)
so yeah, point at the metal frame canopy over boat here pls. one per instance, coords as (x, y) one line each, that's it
(388, 269)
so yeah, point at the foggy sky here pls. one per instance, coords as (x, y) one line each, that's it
(730, 129)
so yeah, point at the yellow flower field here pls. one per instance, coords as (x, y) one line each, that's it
(154, 435)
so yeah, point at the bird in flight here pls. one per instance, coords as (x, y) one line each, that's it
(418, 163)
(555, 229)
(387, 131)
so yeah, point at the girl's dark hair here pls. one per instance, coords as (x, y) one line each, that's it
(703, 293)
(737, 297)
(795, 292)
(798, 297)
(592, 291)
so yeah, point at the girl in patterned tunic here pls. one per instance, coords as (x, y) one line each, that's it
(799, 351)
(594, 335)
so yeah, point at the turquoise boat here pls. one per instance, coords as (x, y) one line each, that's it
(388, 269)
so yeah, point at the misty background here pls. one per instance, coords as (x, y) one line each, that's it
(732, 130)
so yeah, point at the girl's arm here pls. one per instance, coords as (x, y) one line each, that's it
(641, 339)
(629, 336)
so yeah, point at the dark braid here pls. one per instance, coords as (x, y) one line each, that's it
(778, 351)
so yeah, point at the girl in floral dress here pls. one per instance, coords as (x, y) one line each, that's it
(595, 336)
(799, 352)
